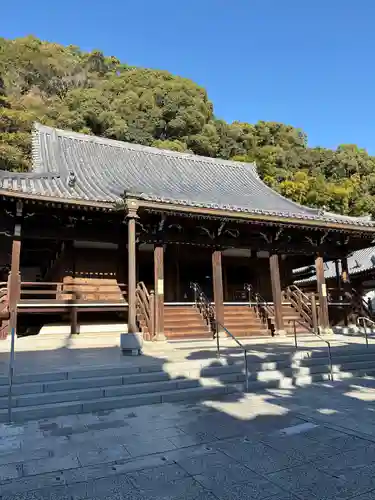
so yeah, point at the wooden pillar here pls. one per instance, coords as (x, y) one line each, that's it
(132, 269)
(347, 292)
(14, 280)
(217, 279)
(276, 294)
(322, 292)
(159, 291)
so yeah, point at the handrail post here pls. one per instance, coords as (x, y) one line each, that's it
(246, 372)
(152, 315)
(295, 333)
(330, 359)
(314, 317)
(217, 339)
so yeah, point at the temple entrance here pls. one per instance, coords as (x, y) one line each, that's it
(236, 272)
(195, 265)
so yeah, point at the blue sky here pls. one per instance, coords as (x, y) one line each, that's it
(305, 63)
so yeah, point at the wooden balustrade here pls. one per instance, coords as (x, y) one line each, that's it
(301, 303)
(145, 305)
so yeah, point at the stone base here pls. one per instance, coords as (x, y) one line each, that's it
(160, 336)
(326, 331)
(131, 343)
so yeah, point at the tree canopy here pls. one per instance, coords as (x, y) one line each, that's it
(95, 94)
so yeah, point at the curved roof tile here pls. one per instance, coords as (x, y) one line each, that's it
(105, 169)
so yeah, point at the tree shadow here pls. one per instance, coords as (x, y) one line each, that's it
(259, 432)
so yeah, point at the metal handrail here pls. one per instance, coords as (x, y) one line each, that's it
(220, 326)
(363, 319)
(316, 335)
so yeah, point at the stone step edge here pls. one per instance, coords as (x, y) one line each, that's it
(199, 380)
(104, 371)
(145, 388)
(58, 409)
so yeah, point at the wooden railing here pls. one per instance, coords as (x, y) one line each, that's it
(145, 304)
(204, 306)
(360, 306)
(44, 294)
(263, 310)
(302, 303)
(4, 310)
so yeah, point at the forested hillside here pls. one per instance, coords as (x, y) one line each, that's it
(95, 94)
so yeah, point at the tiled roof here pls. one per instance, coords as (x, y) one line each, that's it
(358, 262)
(73, 166)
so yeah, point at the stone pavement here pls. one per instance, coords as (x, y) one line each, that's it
(316, 442)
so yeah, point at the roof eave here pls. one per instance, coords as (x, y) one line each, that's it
(56, 200)
(174, 207)
(210, 212)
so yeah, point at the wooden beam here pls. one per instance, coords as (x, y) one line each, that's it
(276, 294)
(322, 292)
(217, 278)
(132, 320)
(159, 291)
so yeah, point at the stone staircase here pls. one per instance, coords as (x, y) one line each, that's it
(198, 376)
(242, 321)
(184, 322)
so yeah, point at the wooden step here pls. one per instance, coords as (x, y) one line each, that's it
(184, 328)
(188, 335)
(184, 322)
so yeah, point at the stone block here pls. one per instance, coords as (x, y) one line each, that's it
(131, 343)
(23, 456)
(153, 479)
(256, 488)
(58, 397)
(299, 478)
(24, 378)
(35, 412)
(78, 492)
(139, 448)
(10, 471)
(199, 464)
(194, 393)
(138, 389)
(108, 455)
(31, 483)
(70, 385)
(103, 372)
(142, 378)
(50, 464)
(126, 401)
(257, 456)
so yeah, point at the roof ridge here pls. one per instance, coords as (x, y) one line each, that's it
(70, 134)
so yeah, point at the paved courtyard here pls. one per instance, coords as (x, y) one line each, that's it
(316, 442)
